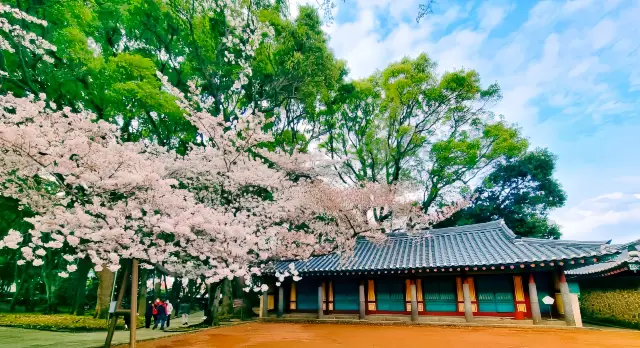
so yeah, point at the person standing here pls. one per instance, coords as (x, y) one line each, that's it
(169, 312)
(161, 316)
(184, 310)
(127, 322)
(148, 314)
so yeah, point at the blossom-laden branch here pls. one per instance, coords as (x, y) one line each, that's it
(17, 38)
(225, 209)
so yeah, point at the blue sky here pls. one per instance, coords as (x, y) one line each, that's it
(569, 73)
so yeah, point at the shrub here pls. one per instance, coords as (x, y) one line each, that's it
(58, 322)
(619, 307)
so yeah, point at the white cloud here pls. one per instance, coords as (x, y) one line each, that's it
(603, 33)
(576, 5)
(491, 16)
(600, 217)
(610, 196)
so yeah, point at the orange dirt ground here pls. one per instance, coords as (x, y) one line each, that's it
(277, 335)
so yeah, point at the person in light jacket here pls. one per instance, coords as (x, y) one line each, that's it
(169, 311)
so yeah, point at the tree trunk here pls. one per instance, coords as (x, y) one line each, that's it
(30, 305)
(106, 279)
(226, 308)
(82, 273)
(142, 298)
(20, 287)
(210, 311)
(247, 298)
(176, 288)
(50, 279)
(157, 288)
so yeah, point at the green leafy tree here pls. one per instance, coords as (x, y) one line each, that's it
(521, 191)
(406, 122)
(294, 76)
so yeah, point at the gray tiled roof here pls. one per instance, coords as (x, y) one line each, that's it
(626, 260)
(491, 243)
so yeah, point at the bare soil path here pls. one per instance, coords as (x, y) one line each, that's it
(278, 335)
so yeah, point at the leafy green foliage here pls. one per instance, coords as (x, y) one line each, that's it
(59, 322)
(521, 191)
(294, 75)
(407, 123)
(619, 307)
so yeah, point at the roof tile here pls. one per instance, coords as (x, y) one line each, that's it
(472, 245)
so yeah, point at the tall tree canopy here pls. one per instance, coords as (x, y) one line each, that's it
(521, 191)
(164, 154)
(406, 122)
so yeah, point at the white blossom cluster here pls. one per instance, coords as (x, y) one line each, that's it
(201, 214)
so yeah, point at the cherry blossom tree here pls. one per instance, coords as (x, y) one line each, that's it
(226, 209)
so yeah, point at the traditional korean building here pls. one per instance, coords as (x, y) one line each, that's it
(624, 264)
(469, 271)
(610, 290)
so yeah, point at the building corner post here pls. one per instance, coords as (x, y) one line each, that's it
(320, 301)
(569, 316)
(265, 304)
(533, 299)
(280, 301)
(414, 303)
(468, 309)
(362, 302)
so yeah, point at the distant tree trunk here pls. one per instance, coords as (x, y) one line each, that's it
(211, 311)
(82, 273)
(157, 288)
(226, 308)
(193, 289)
(176, 288)
(142, 297)
(51, 282)
(20, 287)
(247, 298)
(50, 288)
(106, 278)
(30, 305)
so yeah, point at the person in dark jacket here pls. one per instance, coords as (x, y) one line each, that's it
(161, 308)
(184, 311)
(148, 314)
(127, 321)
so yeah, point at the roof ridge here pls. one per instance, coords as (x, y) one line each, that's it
(466, 228)
(562, 241)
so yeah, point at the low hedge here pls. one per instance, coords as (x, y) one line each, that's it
(58, 322)
(616, 307)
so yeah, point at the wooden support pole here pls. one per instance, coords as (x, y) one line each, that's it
(134, 304)
(468, 309)
(280, 301)
(362, 301)
(265, 304)
(566, 300)
(320, 300)
(114, 318)
(414, 303)
(533, 299)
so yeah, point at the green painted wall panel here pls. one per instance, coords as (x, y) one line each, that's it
(439, 294)
(495, 293)
(346, 294)
(307, 294)
(390, 295)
